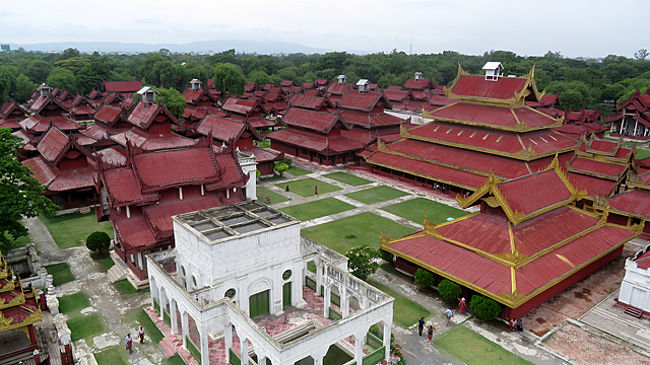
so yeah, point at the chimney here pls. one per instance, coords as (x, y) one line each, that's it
(418, 75)
(45, 90)
(493, 70)
(342, 79)
(147, 94)
(195, 84)
(363, 85)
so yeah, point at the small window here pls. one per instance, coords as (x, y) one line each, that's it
(230, 293)
(286, 275)
(194, 282)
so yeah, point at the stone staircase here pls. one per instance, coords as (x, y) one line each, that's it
(633, 311)
(115, 273)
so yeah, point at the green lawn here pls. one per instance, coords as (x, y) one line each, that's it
(61, 273)
(73, 303)
(354, 231)
(347, 178)
(318, 208)
(472, 348)
(407, 312)
(305, 187)
(125, 288)
(141, 317)
(263, 192)
(106, 262)
(415, 210)
(86, 326)
(376, 194)
(71, 230)
(297, 171)
(642, 153)
(112, 355)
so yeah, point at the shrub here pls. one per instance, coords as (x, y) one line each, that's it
(374, 329)
(280, 167)
(361, 261)
(424, 278)
(287, 161)
(485, 308)
(387, 256)
(98, 241)
(449, 290)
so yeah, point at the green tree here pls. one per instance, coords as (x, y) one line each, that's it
(37, 70)
(449, 291)
(280, 167)
(74, 64)
(7, 81)
(98, 241)
(21, 195)
(424, 278)
(24, 88)
(61, 78)
(362, 261)
(173, 101)
(260, 77)
(485, 308)
(229, 77)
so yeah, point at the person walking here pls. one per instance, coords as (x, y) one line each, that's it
(513, 325)
(430, 332)
(420, 325)
(141, 334)
(316, 190)
(449, 313)
(520, 325)
(462, 306)
(128, 342)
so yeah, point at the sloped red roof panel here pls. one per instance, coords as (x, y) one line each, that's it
(309, 119)
(133, 232)
(593, 185)
(68, 180)
(239, 106)
(143, 114)
(474, 113)
(440, 100)
(122, 86)
(108, 114)
(632, 201)
(315, 141)
(112, 156)
(381, 119)
(356, 100)
(396, 94)
(307, 101)
(231, 172)
(603, 146)
(262, 154)
(258, 121)
(42, 171)
(598, 167)
(484, 232)
(338, 89)
(160, 215)
(53, 144)
(474, 85)
(418, 84)
(220, 128)
(533, 192)
(123, 189)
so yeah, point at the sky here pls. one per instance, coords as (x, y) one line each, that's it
(576, 28)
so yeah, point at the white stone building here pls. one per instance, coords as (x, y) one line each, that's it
(635, 288)
(240, 266)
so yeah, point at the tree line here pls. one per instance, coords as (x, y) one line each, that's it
(578, 82)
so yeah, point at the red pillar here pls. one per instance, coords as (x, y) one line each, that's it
(32, 334)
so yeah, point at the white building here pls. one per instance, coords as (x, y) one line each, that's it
(238, 267)
(635, 288)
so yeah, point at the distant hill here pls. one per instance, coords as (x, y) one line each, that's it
(245, 46)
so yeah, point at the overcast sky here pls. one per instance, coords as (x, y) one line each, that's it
(576, 28)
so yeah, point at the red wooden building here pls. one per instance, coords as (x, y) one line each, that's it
(124, 88)
(527, 244)
(11, 113)
(634, 119)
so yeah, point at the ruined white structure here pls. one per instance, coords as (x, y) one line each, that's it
(237, 264)
(635, 288)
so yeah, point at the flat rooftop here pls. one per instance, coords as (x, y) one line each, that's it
(230, 221)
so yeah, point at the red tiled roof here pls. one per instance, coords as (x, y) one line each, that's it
(309, 119)
(258, 121)
(418, 84)
(440, 100)
(533, 192)
(593, 185)
(308, 102)
(108, 114)
(262, 154)
(314, 141)
(221, 128)
(396, 95)
(160, 215)
(338, 89)
(356, 100)
(44, 101)
(643, 261)
(503, 88)
(144, 114)
(53, 145)
(493, 116)
(602, 168)
(133, 232)
(42, 171)
(112, 157)
(151, 142)
(239, 106)
(370, 119)
(632, 201)
(122, 86)
(123, 188)
(73, 179)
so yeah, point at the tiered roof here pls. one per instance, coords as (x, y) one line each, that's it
(527, 238)
(19, 307)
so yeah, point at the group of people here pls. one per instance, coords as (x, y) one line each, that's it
(430, 329)
(517, 325)
(128, 342)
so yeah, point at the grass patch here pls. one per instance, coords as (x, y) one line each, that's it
(305, 187)
(318, 208)
(71, 230)
(409, 311)
(376, 194)
(642, 153)
(125, 288)
(61, 273)
(86, 326)
(106, 262)
(112, 355)
(347, 178)
(263, 192)
(472, 348)
(416, 209)
(297, 171)
(73, 303)
(354, 231)
(150, 329)
(175, 360)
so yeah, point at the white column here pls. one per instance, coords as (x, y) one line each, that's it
(173, 315)
(319, 276)
(636, 125)
(358, 348)
(326, 301)
(227, 193)
(185, 328)
(163, 303)
(228, 340)
(296, 289)
(345, 303)
(243, 345)
(261, 360)
(154, 290)
(387, 328)
(205, 350)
